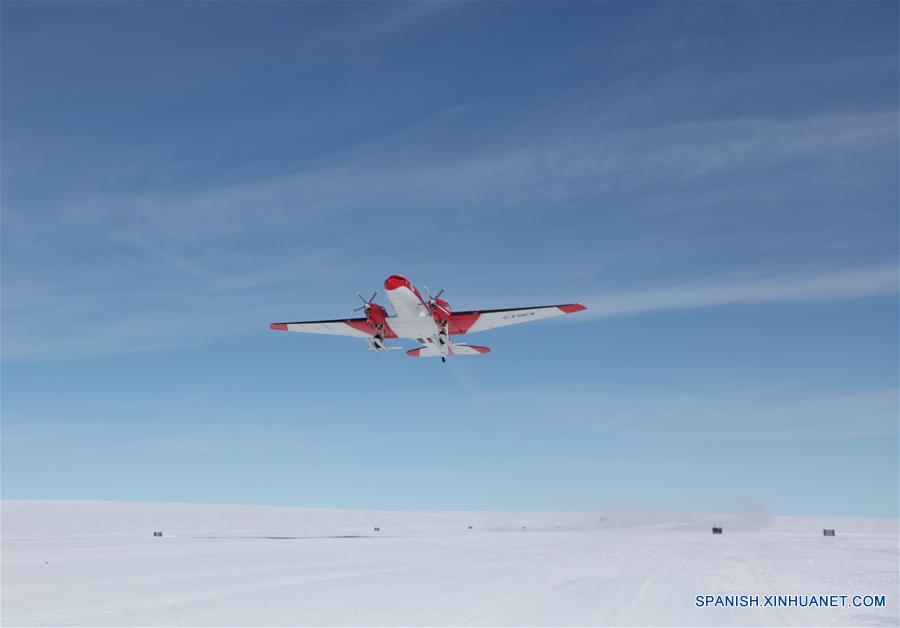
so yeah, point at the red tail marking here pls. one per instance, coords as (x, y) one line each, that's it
(397, 281)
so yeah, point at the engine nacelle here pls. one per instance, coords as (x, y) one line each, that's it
(441, 311)
(376, 315)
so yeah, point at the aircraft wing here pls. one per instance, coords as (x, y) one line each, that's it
(357, 327)
(481, 320)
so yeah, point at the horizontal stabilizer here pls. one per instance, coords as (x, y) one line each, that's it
(432, 351)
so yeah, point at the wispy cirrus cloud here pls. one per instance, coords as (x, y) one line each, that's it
(142, 270)
(382, 22)
(558, 163)
(191, 311)
(786, 288)
(747, 413)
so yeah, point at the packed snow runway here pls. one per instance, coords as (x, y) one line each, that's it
(96, 563)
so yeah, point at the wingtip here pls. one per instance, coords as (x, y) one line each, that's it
(572, 307)
(278, 326)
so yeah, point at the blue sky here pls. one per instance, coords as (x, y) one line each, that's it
(717, 182)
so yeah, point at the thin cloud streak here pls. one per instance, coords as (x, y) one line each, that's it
(145, 270)
(844, 284)
(556, 165)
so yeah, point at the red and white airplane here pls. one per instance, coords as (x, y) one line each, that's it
(431, 322)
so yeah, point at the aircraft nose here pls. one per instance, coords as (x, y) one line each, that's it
(396, 281)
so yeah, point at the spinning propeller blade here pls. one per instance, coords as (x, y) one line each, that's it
(366, 304)
(432, 299)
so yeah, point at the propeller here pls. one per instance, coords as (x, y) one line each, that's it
(432, 299)
(366, 304)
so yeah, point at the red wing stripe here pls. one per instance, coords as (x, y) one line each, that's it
(364, 326)
(571, 307)
(359, 324)
(461, 323)
(388, 332)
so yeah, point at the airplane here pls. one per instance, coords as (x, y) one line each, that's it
(432, 322)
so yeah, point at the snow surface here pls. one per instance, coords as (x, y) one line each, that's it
(98, 563)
